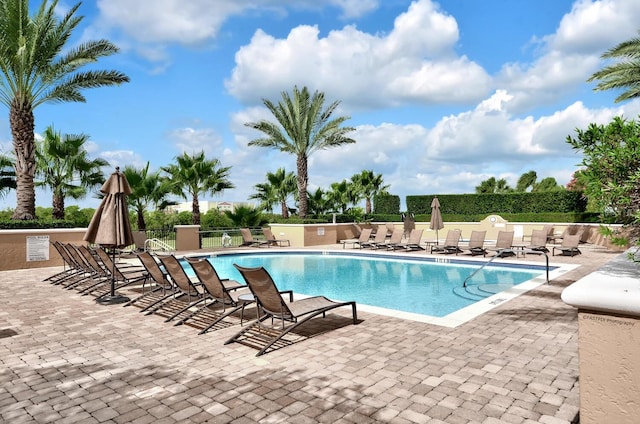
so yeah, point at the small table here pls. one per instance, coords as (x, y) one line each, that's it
(246, 299)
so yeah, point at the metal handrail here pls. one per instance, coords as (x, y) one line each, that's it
(154, 244)
(499, 253)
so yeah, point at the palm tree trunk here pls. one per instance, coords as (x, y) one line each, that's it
(22, 126)
(285, 210)
(142, 226)
(195, 210)
(302, 180)
(367, 206)
(58, 206)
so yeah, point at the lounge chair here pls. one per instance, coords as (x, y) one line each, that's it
(476, 243)
(413, 243)
(396, 239)
(71, 270)
(272, 240)
(450, 245)
(271, 304)
(379, 239)
(504, 244)
(569, 245)
(363, 239)
(160, 288)
(389, 228)
(248, 240)
(538, 241)
(225, 292)
(187, 294)
(122, 274)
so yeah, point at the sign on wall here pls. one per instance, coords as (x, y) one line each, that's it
(37, 248)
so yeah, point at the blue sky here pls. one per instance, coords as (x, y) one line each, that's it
(443, 95)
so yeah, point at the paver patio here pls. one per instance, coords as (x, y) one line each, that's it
(74, 361)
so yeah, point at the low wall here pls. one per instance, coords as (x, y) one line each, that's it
(23, 249)
(608, 303)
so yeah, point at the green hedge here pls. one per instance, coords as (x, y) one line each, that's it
(36, 224)
(386, 204)
(478, 204)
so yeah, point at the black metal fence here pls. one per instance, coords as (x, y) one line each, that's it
(229, 237)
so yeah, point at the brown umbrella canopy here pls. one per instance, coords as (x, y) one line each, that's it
(110, 226)
(436, 217)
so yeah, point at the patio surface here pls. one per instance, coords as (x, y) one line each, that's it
(66, 359)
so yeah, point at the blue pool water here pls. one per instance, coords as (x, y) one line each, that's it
(421, 286)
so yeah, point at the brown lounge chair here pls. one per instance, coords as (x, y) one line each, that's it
(413, 243)
(450, 243)
(365, 235)
(248, 240)
(272, 240)
(569, 245)
(396, 239)
(476, 243)
(538, 241)
(504, 244)
(379, 239)
(271, 304)
(160, 288)
(226, 292)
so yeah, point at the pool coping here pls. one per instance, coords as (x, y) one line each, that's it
(451, 320)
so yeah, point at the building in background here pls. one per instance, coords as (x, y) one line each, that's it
(206, 206)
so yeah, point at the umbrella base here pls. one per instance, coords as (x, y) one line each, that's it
(112, 300)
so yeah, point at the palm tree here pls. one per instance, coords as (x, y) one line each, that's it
(64, 166)
(622, 75)
(342, 195)
(146, 188)
(36, 67)
(318, 202)
(280, 186)
(526, 180)
(303, 127)
(491, 185)
(7, 174)
(369, 185)
(245, 217)
(195, 175)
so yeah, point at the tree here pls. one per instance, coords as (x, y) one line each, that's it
(625, 74)
(611, 161)
(526, 180)
(7, 174)
(196, 175)
(303, 127)
(280, 186)
(64, 167)
(147, 188)
(318, 203)
(369, 185)
(245, 217)
(491, 185)
(547, 184)
(36, 67)
(342, 195)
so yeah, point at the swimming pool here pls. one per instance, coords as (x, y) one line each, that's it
(417, 288)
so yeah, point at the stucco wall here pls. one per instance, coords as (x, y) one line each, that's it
(609, 368)
(13, 247)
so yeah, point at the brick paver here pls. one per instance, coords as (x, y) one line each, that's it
(75, 361)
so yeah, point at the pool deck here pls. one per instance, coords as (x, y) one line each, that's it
(66, 359)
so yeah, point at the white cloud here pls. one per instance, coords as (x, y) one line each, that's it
(191, 140)
(415, 63)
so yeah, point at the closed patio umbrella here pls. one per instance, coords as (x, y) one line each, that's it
(436, 217)
(110, 227)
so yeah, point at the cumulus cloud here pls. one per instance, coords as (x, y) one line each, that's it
(413, 63)
(191, 140)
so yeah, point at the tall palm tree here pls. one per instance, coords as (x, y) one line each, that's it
(64, 166)
(7, 174)
(36, 67)
(369, 185)
(146, 188)
(194, 175)
(625, 74)
(303, 127)
(280, 186)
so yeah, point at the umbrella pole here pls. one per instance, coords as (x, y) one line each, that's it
(112, 298)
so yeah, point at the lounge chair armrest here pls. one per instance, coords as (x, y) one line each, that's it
(238, 287)
(290, 292)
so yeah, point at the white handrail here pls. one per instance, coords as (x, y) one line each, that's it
(154, 244)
